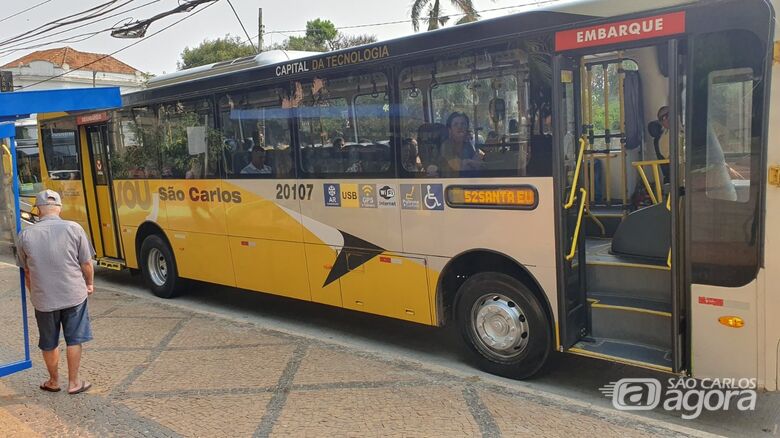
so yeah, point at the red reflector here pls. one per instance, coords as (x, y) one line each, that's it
(385, 259)
(244, 243)
(711, 301)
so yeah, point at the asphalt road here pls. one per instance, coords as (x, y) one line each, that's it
(565, 375)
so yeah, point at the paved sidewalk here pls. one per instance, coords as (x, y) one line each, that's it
(159, 370)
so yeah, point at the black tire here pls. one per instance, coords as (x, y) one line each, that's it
(500, 297)
(172, 284)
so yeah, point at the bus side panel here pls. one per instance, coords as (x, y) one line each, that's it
(526, 236)
(265, 237)
(90, 194)
(772, 224)
(709, 355)
(74, 206)
(197, 230)
(137, 201)
(353, 242)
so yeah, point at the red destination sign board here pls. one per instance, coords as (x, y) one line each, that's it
(92, 118)
(621, 31)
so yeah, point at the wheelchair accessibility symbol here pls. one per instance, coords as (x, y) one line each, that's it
(434, 195)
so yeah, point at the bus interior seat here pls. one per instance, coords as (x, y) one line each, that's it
(644, 233)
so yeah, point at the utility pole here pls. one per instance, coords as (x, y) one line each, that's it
(260, 30)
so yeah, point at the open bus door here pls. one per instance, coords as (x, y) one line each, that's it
(622, 296)
(98, 188)
(571, 194)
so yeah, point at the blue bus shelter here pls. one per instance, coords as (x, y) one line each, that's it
(15, 350)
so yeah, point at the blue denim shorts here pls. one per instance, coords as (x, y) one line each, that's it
(75, 326)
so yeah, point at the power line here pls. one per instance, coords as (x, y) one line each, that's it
(242, 24)
(78, 17)
(25, 10)
(123, 48)
(15, 47)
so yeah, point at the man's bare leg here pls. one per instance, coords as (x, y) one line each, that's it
(52, 360)
(74, 361)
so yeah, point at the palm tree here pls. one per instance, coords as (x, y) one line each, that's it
(435, 17)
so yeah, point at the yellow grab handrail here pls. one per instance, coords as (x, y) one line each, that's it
(570, 202)
(575, 238)
(655, 195)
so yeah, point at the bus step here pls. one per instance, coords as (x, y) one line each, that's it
(111, 263)
(646, 356)
(631, 319)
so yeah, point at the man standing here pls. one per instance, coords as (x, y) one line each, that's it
(57, 260)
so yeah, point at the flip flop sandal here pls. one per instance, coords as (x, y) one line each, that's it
(84, 386)
(49, 388)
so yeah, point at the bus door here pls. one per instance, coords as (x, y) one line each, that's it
(104, 224)
(571, 195)
(616, 104)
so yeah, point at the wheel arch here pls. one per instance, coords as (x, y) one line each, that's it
(459, 268)
(145, 230)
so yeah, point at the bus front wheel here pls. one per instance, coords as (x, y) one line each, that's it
(503, 325)
(159, 267)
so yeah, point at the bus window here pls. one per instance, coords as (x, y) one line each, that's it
(29, 169)
(136, 154)
(344, 126)
(60, 150)
(256, 135)
(728, 134)
(189, 145)
(470, 115)
(726, 141)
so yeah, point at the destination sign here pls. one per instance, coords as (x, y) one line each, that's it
(513, 197)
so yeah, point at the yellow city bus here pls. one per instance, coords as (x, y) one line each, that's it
(515, 177)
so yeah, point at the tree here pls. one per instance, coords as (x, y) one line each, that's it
(322, 36)
(435, 18)
(211, 51)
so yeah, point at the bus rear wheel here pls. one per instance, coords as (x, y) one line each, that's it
(159, 267)
(503, 324)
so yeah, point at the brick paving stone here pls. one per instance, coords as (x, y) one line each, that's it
(11, 426)
(398, 412)
(251, 367)
(145, 310)
(106, 369)
(208, 333)
(515, 417)
(132, 332)
(322, 366)
(204, 415)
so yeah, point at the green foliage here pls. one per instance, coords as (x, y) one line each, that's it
(322, 36)
(321, 32)
(436, 16)
(211, 51)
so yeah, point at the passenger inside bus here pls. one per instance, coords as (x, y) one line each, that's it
(257, 165)
(458, 153)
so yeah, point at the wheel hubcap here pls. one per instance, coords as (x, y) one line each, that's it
(158, 267)
(500, 325)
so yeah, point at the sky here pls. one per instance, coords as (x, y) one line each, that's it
(158, 54)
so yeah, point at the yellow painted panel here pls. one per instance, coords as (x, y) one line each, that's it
(138, 201)
(204, 257)
(320, 260)
(195, 205)
(271, 266)
(106, 223)
(128, 246)
(259, 213)
(388, 285)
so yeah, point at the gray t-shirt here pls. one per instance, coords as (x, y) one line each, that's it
(54, 250)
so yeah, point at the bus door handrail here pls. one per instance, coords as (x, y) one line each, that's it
(575, 237)
(574, 183)
(657, 195)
